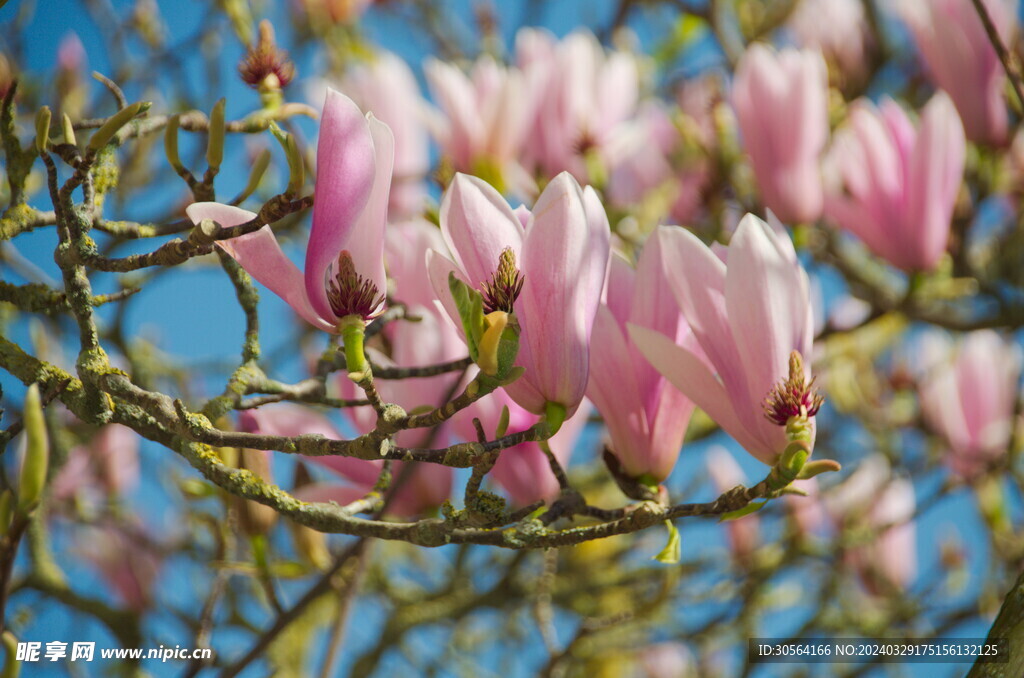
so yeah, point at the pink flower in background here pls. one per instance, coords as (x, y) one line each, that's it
(781, 102)
(486, 117)
(561, 250)
(900, 184)
(588, 97)
(415, 495)
(961, 60)
(523, 471)
(385, 86)
(970, 401)
(336, 11)
(667, 660)
(354, 156)
(872, 499)
(744, 533)
(71, 56)
(646, 415)
(747, 318)
(108, 464)
(839, 29)
(127, 560)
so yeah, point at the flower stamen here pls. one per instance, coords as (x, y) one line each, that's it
(350, 293)
(794, 396)
(504, 287)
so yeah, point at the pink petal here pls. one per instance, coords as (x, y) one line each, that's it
(689, 374)
(477, 225)
(261, 257)
(615, 393)
(767, 301)
(565, 256)
(346, 167)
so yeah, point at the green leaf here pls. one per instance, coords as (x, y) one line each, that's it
(471, 311)
(670, 554)
(752, 507)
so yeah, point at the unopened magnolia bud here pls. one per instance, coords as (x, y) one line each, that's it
(171, 143)
(113, 125)
(69, 130)
(259, 167)
(215, 145)
(37, 453)
(12, 667)
(42, 129)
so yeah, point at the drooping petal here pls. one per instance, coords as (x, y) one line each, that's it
(690, 375)
(346, 168)
(260, 255)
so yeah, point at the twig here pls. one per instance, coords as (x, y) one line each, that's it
(1009, 65)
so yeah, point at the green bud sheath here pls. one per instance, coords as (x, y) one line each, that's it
(42, 129)
(104, 134)
(171, 143)
(215, 145)
(554, 414)
(37, 453)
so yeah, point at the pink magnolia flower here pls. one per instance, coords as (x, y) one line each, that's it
(385, 86)
(900, 183)
(961, 60)
(667, 660)
(485, 119)
(417, 493)
(337, 11)
(344, 259)
(839, 29)
(744, 533)
(971, 401)
(747, 318)
(781, 102)
(588, 97)
(127, 560)
(561, 250)
(523, 471)
(871, 498)
(646, 416)
(108, 464)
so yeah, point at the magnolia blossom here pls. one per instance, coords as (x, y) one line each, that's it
(336, 11)
(588, 97)
(344, 272)
(838, 28)
(486, 119)
(126, 559)
(385, 86)
(872, 499)
(108, 465)
(747, 318)
(646, 416)
(523, 470)
(561, 253)
(415, 494)
(970, 401)
(899, 183)
(744, 533)
(961, 60)
(781, 102)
